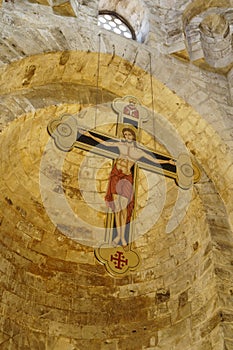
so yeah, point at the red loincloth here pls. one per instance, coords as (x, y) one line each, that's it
(121, 184)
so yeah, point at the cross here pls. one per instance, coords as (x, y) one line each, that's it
(127, 156)
(118, 259)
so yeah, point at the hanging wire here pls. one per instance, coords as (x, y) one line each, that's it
(97, 76)
(152, 96)
(151, 87)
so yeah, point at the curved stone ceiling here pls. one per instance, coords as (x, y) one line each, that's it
(118, 75)
(52, 284)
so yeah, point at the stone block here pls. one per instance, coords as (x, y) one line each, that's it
(40, 2)
(64, 8)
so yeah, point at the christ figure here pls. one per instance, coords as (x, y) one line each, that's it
(120, 192)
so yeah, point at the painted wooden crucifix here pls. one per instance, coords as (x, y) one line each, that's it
(127, 156)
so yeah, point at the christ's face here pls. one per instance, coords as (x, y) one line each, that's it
(128, 136)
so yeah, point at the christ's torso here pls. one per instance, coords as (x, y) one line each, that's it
(129, 154)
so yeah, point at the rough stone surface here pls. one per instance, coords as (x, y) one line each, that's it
(54, 294)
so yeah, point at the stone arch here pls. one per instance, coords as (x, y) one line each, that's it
(43, 262)
(79, 65)
(216, 47)
(38, 261)
(196, 7)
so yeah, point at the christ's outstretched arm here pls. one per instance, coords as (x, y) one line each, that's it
(155, 160)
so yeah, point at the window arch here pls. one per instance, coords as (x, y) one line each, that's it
(114, 22)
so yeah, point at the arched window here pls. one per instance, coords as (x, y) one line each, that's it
(112, 21)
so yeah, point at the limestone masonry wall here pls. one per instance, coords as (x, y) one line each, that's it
(54, 295)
